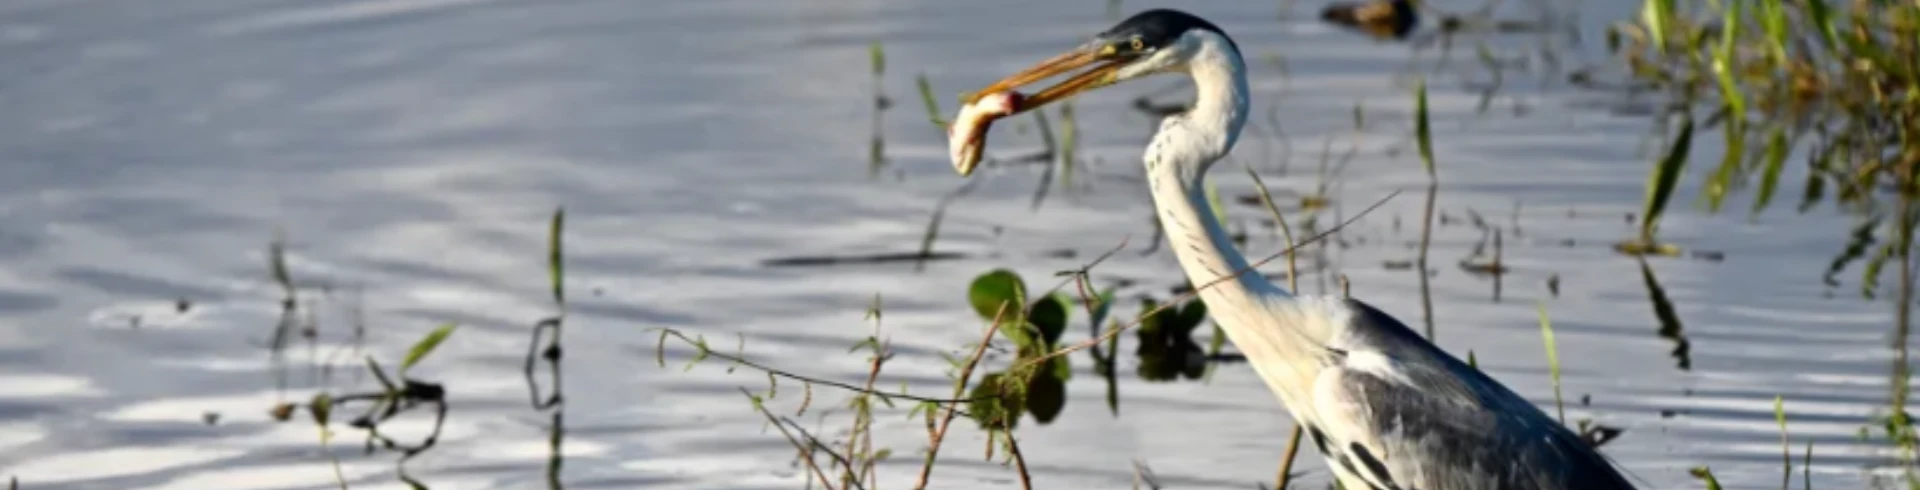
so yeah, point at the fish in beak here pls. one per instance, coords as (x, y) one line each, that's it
(968, 134)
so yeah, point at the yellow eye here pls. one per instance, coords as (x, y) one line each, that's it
(1138, 44)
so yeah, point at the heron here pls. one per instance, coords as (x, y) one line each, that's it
(1386, 408)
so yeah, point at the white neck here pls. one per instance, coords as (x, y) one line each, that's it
(1177, 161)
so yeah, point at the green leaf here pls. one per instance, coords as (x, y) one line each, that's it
(1422, 128)
(1661, 183)
(425, 346)
(1811, 194)
(932, 103)
(1822, 18)
(994, 403)
(1046, 397)
(1000, 287)
(380, 375)
(321, 407)
(995, 289)
(1770, 176)
(1773, 20)
(1722, 180)
(1060, 368)
(1102, 306)
(1657, 15)
(878, 58)
(1049, 315)
(1150, 320)
(1704, 474)
(1553, 359)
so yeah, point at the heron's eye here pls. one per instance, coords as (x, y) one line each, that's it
(1138, 45)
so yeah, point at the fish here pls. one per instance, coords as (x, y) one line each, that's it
(967, 136)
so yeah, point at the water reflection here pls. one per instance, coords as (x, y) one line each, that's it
(420, 165)
(1670, 327)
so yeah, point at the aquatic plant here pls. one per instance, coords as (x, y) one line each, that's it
(1837, 83)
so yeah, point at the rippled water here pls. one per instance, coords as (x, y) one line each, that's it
(413, 149)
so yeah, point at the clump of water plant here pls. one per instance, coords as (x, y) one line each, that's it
(390, 401)
(1039, 387)
(1837, 83)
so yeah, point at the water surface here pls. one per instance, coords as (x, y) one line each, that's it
(412, 150)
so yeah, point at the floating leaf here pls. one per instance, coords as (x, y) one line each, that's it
(425, 346)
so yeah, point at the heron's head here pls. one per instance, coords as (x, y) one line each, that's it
(1150, 42)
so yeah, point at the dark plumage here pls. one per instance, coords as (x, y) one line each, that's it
(1158, 28)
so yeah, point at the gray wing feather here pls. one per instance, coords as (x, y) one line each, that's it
(1423, 420)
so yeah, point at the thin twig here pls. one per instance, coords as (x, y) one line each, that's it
(1285, 475)
(1196, 290)
(806, 453)
(802, 378)
(936, 436)
(815, 443)
(1019, 462)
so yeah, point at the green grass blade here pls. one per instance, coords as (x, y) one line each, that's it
(1773, 20)
(1822, 18)
(1724, 68)
(1661, 183)
(1069, 140)
(1553, 360)
(1786, 451)
(425, 346)
(1422, 127)
(1770, 175)
(1657, 15)
(877, 56)
(932, 103)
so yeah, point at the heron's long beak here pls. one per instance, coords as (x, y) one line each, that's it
(1101, 75)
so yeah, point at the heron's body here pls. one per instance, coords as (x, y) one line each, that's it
(1388, 409)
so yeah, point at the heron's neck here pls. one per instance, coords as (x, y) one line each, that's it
(1177, 161)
